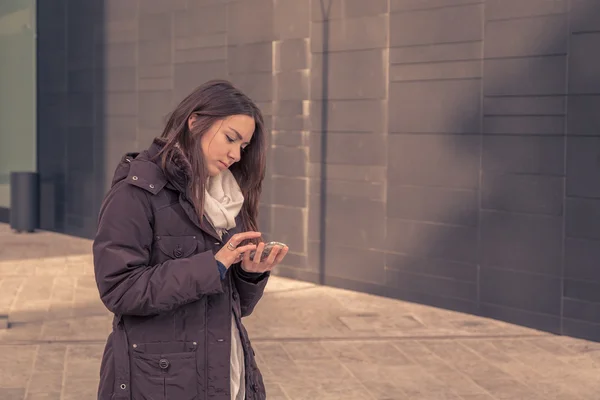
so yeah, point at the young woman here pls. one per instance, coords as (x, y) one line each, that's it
(172, 255)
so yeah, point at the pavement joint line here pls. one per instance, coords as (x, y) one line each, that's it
(313, 339)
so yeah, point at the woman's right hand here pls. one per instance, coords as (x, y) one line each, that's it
(231, 253)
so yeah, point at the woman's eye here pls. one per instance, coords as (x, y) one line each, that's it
(230, 140)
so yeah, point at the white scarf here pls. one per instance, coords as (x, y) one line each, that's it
(223, 200)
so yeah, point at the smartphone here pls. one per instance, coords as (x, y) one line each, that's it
(267, 250)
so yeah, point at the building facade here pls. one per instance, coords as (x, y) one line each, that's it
(437, 151)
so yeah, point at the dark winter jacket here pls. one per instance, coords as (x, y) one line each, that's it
(155, 269)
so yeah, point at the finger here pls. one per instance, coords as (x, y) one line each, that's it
(245, 249)
(240, 237)
(281, 255)
(258, 255)
(271, 259)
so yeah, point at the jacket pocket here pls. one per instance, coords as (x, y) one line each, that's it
(164, 371)
(177, 246)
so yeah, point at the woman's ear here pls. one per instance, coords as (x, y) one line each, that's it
(191, 121)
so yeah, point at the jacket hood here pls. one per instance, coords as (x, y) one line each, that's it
(145, 169)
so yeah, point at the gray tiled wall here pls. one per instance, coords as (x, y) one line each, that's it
(462, 136)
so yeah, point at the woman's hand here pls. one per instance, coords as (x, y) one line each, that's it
(256, 266)
(231, 253)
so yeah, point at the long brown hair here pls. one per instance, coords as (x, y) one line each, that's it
(211, 102)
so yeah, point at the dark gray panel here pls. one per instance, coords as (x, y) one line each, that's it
(290, 192)
(289, 161)
(583, 166)
(435, 107)
(531, 105)
(361, 8)
(432, 267)
(581, 259)
(188, 76)
(520, 290)
(153, 109)
(523, 154)
(200, 21)
(355, 264)
(320, 10)
(444, 242)
(429, 204)
(287, 223)
(365, 229)
(583, 116)
(505, 9)
(349, 116)
(241, 29)
(289, 123)
(435, 160)
(582, 290)
(582, 310)
(583, 218)
(81, 109)
(532, 194)
(121, 104)
(287, 108)
(291, 19)
(250, 58)
(431, 285)
(122, 79)
(365, 189)
(81, 81)
(161, 6)
(584, 63)
(436, 52)
(259, 85)
(349, 148)
(584, 16)
(152, 53)
(352, 75)
(292, 85)
(525, 76)
(524, 125)
(351, 34)
(80, 46)
(580, 329)
(436, 71)
(118, 10)
(545, 322)
(526, 37)
(437, 26)
(521, 242)
(292, 139)
(155, 27)
(292, 55)
(411, 5)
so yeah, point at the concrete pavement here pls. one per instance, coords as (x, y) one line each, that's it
(311, 342)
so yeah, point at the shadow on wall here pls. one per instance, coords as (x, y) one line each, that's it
(509, 174)
(70, 93)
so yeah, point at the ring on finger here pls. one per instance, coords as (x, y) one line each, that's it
(231, 246)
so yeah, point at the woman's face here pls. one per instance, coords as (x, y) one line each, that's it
(223, 144)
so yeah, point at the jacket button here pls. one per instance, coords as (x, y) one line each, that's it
(255, 387)
(177, 252)
(163, 363)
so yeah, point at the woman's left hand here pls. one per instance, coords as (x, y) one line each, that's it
(256, 266)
